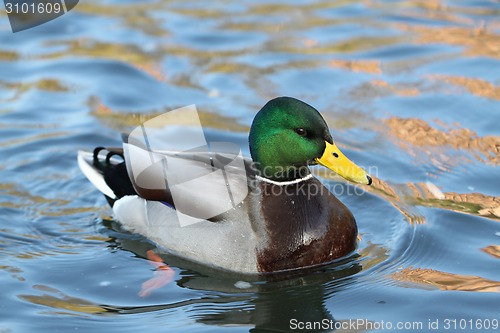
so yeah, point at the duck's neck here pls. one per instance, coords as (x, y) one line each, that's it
(286, 182)
(279, 175)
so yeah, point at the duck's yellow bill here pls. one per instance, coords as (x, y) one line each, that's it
(336, 161)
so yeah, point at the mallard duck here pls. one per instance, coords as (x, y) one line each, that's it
(286, 219)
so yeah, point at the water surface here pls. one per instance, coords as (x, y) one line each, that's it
(410, 89)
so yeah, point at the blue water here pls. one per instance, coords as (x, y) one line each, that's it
(410, 90)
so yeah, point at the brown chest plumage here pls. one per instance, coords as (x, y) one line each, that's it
(304, 225)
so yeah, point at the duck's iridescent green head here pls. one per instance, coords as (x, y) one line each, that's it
(287, 135)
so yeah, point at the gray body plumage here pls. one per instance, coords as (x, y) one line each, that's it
(228, 244)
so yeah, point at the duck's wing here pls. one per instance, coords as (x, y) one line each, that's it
(199, 183)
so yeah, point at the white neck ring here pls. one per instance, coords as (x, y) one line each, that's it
(289, 182)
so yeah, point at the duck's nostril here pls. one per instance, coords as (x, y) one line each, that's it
(369, 180)
(335, 155)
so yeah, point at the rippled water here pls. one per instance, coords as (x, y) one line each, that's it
(410, 89)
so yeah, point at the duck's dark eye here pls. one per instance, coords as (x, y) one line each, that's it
(300, 131)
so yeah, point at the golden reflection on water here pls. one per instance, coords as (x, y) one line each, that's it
(14, 271)
(18, 89)
(8, 55)
(42, 84)
(365, 66)
(32, 138)
(406, 196)
(413, 132)
(62, 301)
(373, 254)
(446, 281)
(474, 86)
(121, 120)
(417, 137)
(137, 15)
(493, 250)
(13, 190)
(400, 89)
(476, 41)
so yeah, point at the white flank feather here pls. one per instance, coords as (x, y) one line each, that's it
(96, 178)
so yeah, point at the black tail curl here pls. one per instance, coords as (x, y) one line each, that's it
(114, 172)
